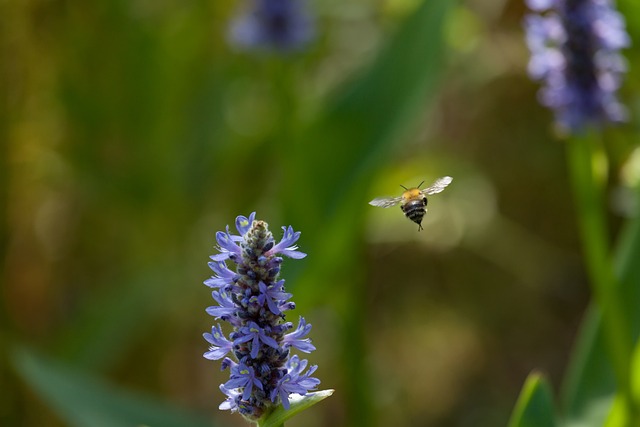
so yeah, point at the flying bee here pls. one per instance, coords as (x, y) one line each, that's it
(414, 200)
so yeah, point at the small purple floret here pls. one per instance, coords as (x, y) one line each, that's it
(286, 246)
(254, 333)
(243, 376)
(294, 381)
(220, 345)
(294, 339)
(223, 276)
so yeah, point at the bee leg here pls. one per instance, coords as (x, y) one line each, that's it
(420, 227)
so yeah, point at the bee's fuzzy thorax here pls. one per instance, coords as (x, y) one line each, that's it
(411, 193)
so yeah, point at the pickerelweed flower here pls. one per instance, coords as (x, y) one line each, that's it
(253, 300)
(273, 25)
(575, 49)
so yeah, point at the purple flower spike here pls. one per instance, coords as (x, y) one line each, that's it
(253, 300)
(575, 50)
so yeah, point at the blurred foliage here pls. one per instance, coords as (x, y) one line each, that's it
(535, 405)
(131, 133)
(85, 401)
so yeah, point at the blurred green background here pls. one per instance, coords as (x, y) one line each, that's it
(131, 132)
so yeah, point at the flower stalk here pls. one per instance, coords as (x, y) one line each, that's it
(593, 232)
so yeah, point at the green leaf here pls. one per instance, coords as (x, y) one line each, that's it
(589, 385)
(589, 388)
(618, 415)
(635, 373)
(297, 404)
(534, 407)
(82, 400)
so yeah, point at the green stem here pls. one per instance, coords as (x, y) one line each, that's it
(593, 230)
(358, 386)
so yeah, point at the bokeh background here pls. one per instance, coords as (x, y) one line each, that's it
(132, 131)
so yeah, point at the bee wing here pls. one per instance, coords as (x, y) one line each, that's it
(437, 186)
(385, 202)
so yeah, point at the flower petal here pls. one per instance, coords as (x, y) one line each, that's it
(243, 224)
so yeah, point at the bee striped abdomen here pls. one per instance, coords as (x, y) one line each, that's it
(415, 210)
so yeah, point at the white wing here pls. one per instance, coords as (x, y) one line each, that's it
(385, 202)
(437, 186)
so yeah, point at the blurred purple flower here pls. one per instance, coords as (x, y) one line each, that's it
(252, 299)
(273, 25)
(575, 49)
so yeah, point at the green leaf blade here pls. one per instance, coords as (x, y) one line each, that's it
(297, 404)
(534, 407)
(589, 387)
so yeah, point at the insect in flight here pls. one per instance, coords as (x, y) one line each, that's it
(414, 200)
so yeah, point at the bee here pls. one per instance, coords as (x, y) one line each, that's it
(414, 200)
